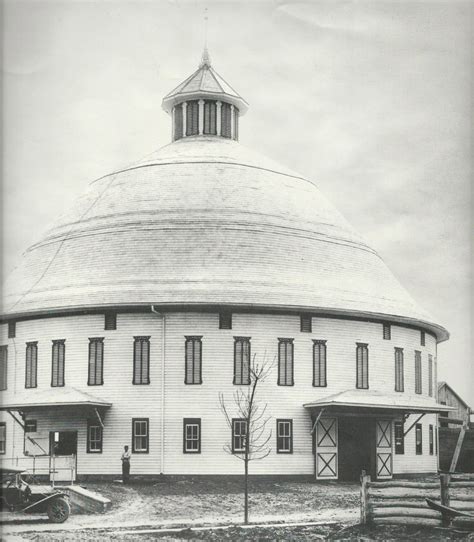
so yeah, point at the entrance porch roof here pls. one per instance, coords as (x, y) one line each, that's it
(34, 399)
(354, 400)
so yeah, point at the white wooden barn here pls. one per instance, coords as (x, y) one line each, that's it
(151, 295)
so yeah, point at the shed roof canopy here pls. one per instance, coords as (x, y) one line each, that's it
(366, 399)
(35, 399)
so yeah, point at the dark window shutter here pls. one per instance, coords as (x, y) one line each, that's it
(226, 129)
(3, 367)
(11, 330)
(178, 121)
(110, 321)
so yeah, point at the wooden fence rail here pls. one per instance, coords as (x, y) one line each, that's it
(398, 500)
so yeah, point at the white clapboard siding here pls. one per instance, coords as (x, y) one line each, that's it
(201, 401)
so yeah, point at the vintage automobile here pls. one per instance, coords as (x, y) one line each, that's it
(19, 496)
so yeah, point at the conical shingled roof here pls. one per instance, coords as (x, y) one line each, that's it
(205, 222)
(204, 82)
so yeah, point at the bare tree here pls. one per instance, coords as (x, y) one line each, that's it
(248, 407)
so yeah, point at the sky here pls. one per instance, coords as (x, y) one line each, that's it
(370, 100)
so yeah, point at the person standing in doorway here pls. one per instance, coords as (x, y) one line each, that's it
(126, 465)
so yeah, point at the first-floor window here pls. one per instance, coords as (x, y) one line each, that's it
(285, 362)
(284, 436)
(319, 363)
(3, 367)
(3, 437)
(399, 438)
(192, 435)
(94, 438)
(239, 434)
(140, 436)
(431, 440)
(362, 361)
(141, 360)
(419, 439)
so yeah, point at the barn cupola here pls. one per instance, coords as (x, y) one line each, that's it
(205, 105)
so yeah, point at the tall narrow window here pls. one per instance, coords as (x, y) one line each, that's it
(236, 123)
(387, 332)
(431, 440)
(193, 361)
(94, 437)
(31, 365)
(285, 362)
(306, 323)
(141, 360)
(419, 439)
(399, 438)
(242, 360)
(110, 321)
(430, 375)
(192, 435)
(226, 128)
(284, 431)
(3, 437)
(362, 362)
(418, 372)
(178, 121)
(140, 436)
(399, 380)
(96, 361)
(239, 434)
(422, 338)
(57, 363)
(319, 364)
(192, 118)
(436, 440)
(225, 320)
(210, 127)
(11, 330)
(3, 367)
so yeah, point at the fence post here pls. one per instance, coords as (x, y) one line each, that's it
(445, 498)
(365, 516)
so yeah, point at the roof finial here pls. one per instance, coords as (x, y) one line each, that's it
(206, 59)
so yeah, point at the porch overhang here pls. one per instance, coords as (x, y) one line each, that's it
(52, 398)
(365, 402)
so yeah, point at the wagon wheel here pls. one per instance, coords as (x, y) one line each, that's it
(58, 510)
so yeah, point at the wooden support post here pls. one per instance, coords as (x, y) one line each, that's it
(445, 498)
(457, 450)
(365, 510)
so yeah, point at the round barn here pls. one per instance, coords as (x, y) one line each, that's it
(169, 279)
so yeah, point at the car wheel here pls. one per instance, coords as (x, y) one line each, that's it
(58, 510)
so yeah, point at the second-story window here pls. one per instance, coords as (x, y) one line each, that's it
(193, 360)
(430, 375)
(418, 387)
(362, 362)
(57, 367)
(242, 361)
(141, 360)
(285, 362)
(399, 380)
(3, 367)
(210, 118)
(319, 364)
(192, 118)
(96, 361)
(31, 369)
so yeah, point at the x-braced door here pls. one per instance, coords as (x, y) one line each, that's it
(326, 449)
(383, 451)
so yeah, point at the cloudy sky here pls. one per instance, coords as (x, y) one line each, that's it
(371, 100)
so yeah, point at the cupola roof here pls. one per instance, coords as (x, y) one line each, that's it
(204, 83)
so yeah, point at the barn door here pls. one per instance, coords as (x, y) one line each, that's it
(383, 451)
(326, 449)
